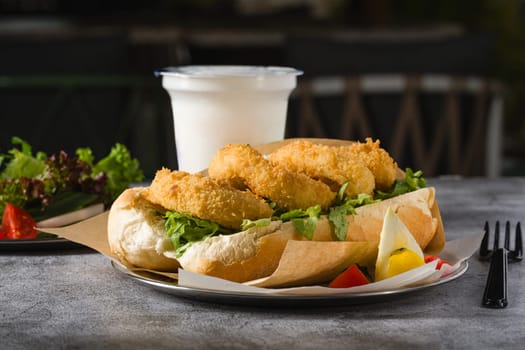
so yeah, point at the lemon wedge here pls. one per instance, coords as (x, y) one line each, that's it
(402, 260)
(398, 250)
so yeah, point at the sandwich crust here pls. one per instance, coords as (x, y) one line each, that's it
(136, 233)
(243, 256)
(256, 252)
(137, 236)
(413, 208)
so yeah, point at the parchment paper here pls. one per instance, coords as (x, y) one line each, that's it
(455, 253)
(93, 234)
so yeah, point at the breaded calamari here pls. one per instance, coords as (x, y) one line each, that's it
(242, 165)
(321, 162)
(202, 197)
(376, 159)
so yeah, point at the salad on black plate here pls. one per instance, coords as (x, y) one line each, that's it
(35, 187)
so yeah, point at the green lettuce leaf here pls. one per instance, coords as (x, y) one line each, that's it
(47, 186)
(247, 223)
(120, 168)
(21, 162)
(304, 221)
(85, 154)
(337, 214)
(412, 181)
(184, 230)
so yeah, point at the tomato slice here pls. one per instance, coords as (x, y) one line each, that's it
(351, 277)
(429, 258)
(17, 223)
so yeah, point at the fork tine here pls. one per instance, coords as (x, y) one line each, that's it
(518, 244)
(507, 235)
(484, 251)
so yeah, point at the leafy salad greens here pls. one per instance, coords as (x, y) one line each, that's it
(46, 186)
(185, 230)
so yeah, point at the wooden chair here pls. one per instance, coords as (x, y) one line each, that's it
(458, 141)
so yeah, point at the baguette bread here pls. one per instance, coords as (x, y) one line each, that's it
(137, 236)
(413, 208)
(136, 233)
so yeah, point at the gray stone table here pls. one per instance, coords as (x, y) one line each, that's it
(75, 299)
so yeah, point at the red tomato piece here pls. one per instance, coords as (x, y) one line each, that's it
(429, 258)
(17, 223)
(351, 277)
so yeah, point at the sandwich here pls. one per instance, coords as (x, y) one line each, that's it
(235, 220)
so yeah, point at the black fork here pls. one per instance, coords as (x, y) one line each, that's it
(516, 254)
(495, 294)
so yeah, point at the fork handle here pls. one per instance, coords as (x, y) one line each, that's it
(495, 294)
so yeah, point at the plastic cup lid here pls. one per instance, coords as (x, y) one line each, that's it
(197, 71)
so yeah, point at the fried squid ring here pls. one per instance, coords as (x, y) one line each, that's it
(200, 196)
(241, 165)
(376, 159)
(321, 162)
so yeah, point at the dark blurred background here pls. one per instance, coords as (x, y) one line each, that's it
(80, 73)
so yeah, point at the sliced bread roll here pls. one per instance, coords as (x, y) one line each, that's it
(137, 236)
(136, 232)
(240, 257)
(255, 253)
(413, 208)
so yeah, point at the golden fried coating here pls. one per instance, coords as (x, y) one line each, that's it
(243, 165)
(202, 197)
(321, 162)
(376, 159)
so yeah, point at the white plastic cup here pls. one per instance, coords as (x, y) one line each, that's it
(216, 105)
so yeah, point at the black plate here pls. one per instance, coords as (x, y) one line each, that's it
(40, 244)
(47, 241)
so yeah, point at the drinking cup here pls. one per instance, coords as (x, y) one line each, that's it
(216, 105)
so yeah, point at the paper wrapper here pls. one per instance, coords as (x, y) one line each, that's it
(310, 262)
(455, 253)
(93, 233)
(325, 258)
